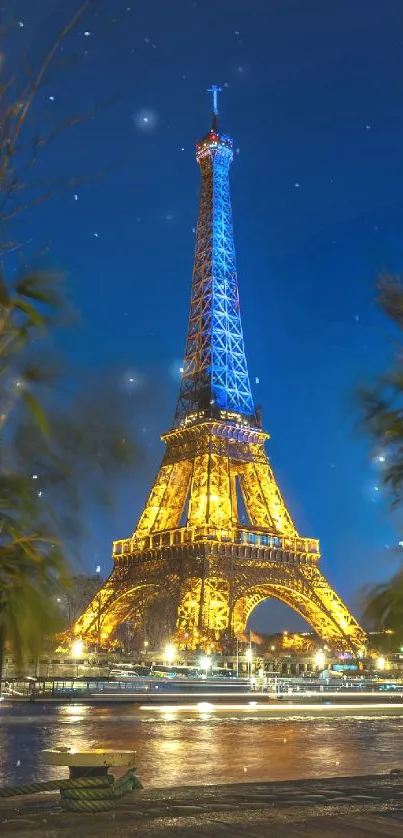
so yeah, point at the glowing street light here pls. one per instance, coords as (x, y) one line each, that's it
(205, 663)
(170, 653)
(249, 658)
(77, 648)
(380, 664)
(320, 658)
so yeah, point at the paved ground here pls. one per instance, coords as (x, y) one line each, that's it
(367, 807)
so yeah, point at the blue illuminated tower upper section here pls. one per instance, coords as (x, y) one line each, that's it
(215, 380)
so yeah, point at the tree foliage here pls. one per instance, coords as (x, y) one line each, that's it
(55, 456)
(382, 404)
(383, 608)
(382, 419)
(62, 442)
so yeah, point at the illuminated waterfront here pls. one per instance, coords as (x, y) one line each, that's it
(194, 748)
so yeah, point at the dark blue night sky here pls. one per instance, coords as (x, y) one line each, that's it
(313, 96)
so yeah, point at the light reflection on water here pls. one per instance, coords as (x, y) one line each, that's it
(199, 748)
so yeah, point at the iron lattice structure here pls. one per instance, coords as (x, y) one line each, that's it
(191, 542)
(215, 373)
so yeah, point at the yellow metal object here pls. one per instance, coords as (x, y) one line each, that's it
(216, 568)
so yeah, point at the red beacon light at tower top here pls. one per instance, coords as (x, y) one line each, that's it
(214, 139)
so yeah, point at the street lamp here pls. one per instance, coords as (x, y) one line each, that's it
(77, 648)
(249, 658)
(320, 659)
(380, 664)
(205, 663)
(170, 653)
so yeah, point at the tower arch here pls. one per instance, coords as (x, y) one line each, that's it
(317, 615)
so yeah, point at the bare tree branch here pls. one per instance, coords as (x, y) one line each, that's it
(20, 110)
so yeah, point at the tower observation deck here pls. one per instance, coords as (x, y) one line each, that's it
(192, 542)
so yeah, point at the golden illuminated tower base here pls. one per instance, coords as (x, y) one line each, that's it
(190, 545)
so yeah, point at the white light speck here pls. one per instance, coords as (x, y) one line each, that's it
(96, 235)
(182, 149)
(132, 381)
(381, 458)
(296, 184)
(146, 119)
(181, 370)
(21, 23)
(51, 98)
(237, 150)
(87, 33)
(257, 380)
(98, 568)
(40, 494)
(376, 488)
(400, 543)
(368, 127)
(193, 229)
(34, 477)
(75, 196)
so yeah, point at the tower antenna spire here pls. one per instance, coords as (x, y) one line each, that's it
(215, 90)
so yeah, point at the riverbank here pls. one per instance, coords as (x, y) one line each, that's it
(216, 705)
(352, 806)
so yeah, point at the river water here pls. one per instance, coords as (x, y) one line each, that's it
(196, 747)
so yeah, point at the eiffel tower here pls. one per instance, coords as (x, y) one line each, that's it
(191, 543)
